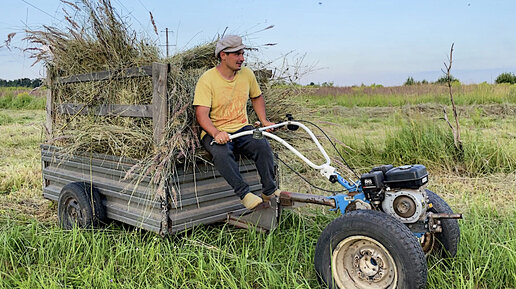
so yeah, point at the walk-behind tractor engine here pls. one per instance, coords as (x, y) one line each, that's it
(389, 221)
(399, 192)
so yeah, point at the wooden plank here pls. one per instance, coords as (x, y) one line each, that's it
(48, 107)
(159, 123)
(106, 110)
(108, 74)
(126, 110)
(159, 101)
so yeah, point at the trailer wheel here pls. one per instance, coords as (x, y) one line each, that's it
(448, 239)
(80, 205)
(369, 249)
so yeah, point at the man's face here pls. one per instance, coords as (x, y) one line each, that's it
(233, 60)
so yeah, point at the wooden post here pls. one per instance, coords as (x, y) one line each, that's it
(160, 117)
(49, 107)
(159, 101)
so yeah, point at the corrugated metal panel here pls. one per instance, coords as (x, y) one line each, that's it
(203, 196)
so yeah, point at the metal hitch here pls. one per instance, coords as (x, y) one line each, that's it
(434, 221)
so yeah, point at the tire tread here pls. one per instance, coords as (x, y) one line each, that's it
(361, 218)
(450, 236)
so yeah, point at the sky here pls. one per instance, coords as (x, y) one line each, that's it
(338, 41)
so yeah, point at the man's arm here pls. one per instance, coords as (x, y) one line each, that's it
(259, 108)
(202, 113)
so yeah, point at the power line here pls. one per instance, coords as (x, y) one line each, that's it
(143, 5)
(131, 14)
(37, 8)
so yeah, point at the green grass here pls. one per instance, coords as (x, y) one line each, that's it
(369, 137)
(20, 137)
(432, 144)
(487, 252)
(35, 253)
(21, 98)
(5, 119)
(410, 95)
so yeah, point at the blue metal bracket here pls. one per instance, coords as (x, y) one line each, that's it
(342, 201)
(350, 187)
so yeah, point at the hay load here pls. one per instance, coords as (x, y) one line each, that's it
(98, 39)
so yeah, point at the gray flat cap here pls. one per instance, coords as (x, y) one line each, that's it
(230, 43)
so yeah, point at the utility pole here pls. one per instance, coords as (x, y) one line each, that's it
(166, 33)
(166, 39)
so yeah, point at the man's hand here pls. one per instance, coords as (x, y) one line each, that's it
(268, 123)
(259, 108)
(221, 137)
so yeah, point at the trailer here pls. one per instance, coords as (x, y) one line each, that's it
(92, 188)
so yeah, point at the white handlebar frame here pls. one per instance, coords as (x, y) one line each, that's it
(325, 168)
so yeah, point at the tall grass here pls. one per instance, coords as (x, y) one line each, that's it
(410, 95)
(20, 98)
(431, 143)
(486, 256)
(35, 255)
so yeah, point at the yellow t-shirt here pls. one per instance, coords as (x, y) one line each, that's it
(226, 98)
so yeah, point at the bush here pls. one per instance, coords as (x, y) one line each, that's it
(444, 79)
(22, 101)
(506, 77)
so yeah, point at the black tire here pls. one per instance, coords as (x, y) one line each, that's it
(80, 205)
(369, 249)
(448, 240)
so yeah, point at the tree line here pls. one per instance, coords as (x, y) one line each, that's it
(506, 77)
(441, 80)
(22, 82)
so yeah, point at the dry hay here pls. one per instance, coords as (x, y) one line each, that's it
(97, 39)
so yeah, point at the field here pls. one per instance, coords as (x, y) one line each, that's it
(369, 125)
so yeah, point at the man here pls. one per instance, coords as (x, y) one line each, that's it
(220, 104)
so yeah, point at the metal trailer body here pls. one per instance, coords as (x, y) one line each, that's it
(193, 196)
(200, 195)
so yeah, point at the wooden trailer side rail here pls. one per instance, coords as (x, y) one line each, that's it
(157, 110)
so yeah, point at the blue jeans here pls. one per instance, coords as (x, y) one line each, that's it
(256, 149)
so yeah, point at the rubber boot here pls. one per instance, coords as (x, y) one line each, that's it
(269, 197)
(250, 201)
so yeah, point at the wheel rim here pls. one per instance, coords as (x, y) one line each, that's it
(362, 262)
(73, 212)
(427, 243)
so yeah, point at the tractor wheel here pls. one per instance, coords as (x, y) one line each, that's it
(448, 239)
(369, 249)
(80, 205)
